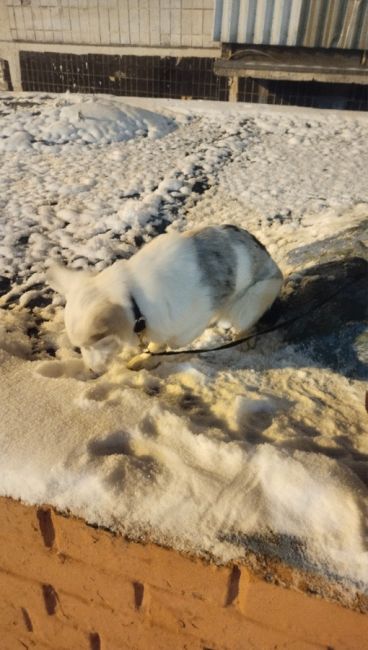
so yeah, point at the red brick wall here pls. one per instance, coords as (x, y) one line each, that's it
(67, 586)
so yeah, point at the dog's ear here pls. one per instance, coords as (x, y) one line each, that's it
(62, 279)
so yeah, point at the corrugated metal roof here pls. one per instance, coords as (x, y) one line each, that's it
(304, 23)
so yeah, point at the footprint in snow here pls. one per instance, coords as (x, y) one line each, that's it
(72, 368)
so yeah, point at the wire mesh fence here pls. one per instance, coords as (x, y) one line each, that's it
(141, 76)
(176, 78)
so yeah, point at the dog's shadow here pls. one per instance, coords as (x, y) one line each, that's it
(325, 311)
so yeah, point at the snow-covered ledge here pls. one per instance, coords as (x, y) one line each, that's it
(252, 451)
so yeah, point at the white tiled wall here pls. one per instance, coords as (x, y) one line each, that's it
(160, 23)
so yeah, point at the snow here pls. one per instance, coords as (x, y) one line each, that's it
(81, 121)
(214, 454)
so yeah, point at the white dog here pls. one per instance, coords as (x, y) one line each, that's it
(168, 292)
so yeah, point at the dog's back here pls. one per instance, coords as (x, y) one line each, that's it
(231, 259)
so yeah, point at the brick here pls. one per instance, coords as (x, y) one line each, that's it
(175, 40)
(93, 25)
(186, 40)
(124, 20)
(19, 20)
(20, 522)
(11, 17)
(83, 543)
(165, 26)
(75, 621)
(209, 583)
(175, 17)
(48, 36)
(114, 26)
(186, 22)
(197, 40)
(207, 23)
(124, 38)
(299, 614)
(212, 624)
(9, 642)
(46, 19)
(66, 585)
(37, 19)
(19, 594)
(155, 38)
(197, 23)
(74, 19)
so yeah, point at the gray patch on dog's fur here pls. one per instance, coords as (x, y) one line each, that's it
(263, 266)
(215, 248)
(217, 262)
(247, 234)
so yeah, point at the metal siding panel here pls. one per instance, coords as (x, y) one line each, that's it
(308, 23)
(285, 19)
(331, 17)
(217, 25)
(225, 26)
(361, 38)
(260, 19)
(312, 20)
(359, 26)
(242, 26)
(339, 21)
(318, 27)
(354, 23)
(303, 22)
(363, 44)
(251, 21)
(276, 22)
(234, 21)
(347, 17)
(270, 8)
(294, 19)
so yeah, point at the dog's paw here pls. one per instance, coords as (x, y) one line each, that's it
(143, 361)
(155, 348)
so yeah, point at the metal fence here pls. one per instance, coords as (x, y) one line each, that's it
(141, 76)
(192, 77)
